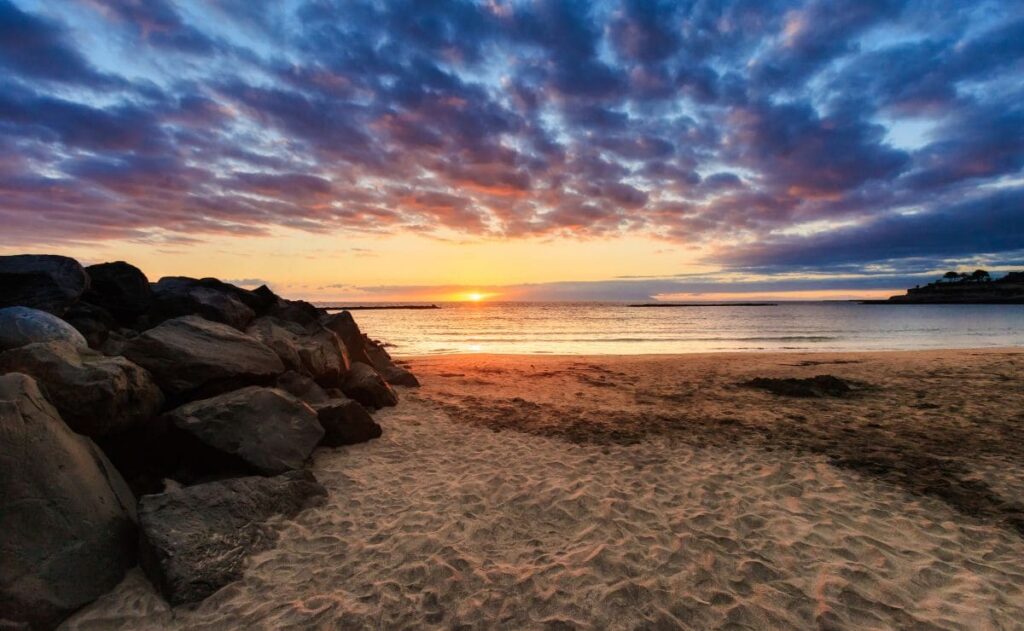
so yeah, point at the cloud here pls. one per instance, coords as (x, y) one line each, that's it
(734, 126)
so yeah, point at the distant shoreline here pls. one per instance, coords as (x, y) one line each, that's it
(380, 307)
(705, 304)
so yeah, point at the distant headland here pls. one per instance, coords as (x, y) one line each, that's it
(961, 288)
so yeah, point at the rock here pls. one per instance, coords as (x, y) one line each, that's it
(267, 430)
(297, 311)
(366, 386)
(122, 289)
(96, 395)
(345, 326)
(117, 341)
(819, 386)
(66, 516)
(277, 336)
(195, 540)
(94, 323)
(346, 422)
(399, 376)
(302, 387)
(22, 325)
(312, 350)
(191, 357)
(176, 296)
(41, 281)
(392, 373)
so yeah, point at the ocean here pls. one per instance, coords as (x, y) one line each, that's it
(616, 328)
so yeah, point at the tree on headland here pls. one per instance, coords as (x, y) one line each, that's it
(951, 276)
(980, 276)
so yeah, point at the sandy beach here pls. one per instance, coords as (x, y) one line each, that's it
(653, 492)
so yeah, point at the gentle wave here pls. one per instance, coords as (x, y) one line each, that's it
(581, 328)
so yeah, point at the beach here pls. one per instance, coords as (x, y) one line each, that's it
(653, 492)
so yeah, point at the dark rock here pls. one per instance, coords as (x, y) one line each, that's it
(117, 341)
(366, 386)
(392, 373)
(122, 289)
(41, 281)
(176, 296)
(267, 429)
(277, 336)
(195, 540)
(22, 325)
(345, 326)
(399, 376)
(346, 422)
(302, 387)
(312, 350)
(67, 517)
(94, 323)
(191, 357)
(297, 311)
(819, 386)
(95, 394)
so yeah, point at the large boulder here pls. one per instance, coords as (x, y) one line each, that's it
(366, 386)
(302, 387)
(41, 281)
(346, 328)
(93, 322)
(191, 357)
(345, 422)
(311, 350)
(95, 394)
(176, 296)
(266, 430)
(22, 325)
(66, 516)
(297, 311)
(392, 373)
(121, 289)
(196, 539)
(279, 337)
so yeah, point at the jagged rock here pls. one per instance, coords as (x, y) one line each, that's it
(366, 386)
(399, 376)
(268, 430)
(22, 325)
(96, 395)
(94, 323)
(391, 372)
(191, 357)
(277, 336)
(345, 326)
(302, 387)
(297, 311)
(819, 386)
(176, 296)
(41, 281)
(346, 422)
(312, 350)
(66, 516)
(196, 539)
(122, 289)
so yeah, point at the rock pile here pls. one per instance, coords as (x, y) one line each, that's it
(202, 399)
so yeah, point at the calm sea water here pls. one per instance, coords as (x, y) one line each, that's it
(613, 328)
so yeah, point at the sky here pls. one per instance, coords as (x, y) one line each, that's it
(527, 150)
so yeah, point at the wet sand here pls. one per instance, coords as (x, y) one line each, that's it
(646, 492)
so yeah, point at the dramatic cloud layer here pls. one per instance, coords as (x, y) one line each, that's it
(774, 134)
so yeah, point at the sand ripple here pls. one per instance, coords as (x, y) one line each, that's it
(451, 525)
